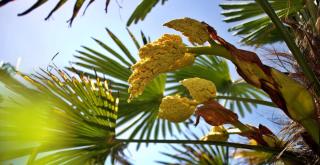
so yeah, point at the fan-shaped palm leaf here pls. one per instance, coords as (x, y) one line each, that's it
(256, 27)
(66, 120)
(77, 6)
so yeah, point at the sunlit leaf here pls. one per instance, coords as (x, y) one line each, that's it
(67, 119)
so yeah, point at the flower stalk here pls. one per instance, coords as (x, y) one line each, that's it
(215, 49)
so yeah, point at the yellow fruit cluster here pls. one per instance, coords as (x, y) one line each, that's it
(176, 108)
(166, 54)
(200, 89)
(195, 31)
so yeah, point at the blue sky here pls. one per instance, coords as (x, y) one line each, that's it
(36, 41)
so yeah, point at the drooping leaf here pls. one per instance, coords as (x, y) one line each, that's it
(58, 5)
(142, 10)
(34, 6)
(77, 6)
(4, 2)
(76, 9)
(89, 3)
(107, 5)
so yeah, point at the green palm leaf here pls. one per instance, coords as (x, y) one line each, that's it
(66, 120)
(255, 26)
(142, 10)
(77, 6)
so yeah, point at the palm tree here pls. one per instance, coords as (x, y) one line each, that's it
(89, 112)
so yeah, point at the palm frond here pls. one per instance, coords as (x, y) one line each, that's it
(66, 120)
(255, 26)
(77, 6)
(142, 10)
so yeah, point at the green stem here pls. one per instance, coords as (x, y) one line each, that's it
(291, 44)
(242, 127)
(217, 50)
(219, 143)
(254, 101)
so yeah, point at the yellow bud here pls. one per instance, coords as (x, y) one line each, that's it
(176, 108)
(253, 142)
(219, 128)
(200, 89)
(217, 133)
(195, 31)
(270, 140)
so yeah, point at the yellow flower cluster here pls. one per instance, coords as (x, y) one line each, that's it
(176, 108)
(193, 29)
(217, 133)
(200, 89)
(166, 54)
